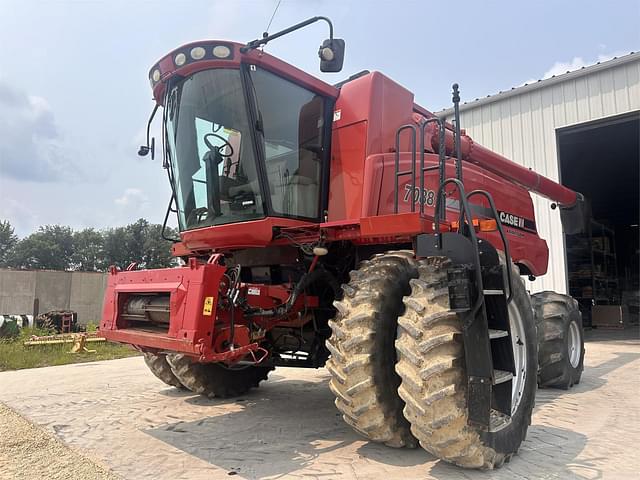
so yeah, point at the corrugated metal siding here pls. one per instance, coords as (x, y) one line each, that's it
(523, 128)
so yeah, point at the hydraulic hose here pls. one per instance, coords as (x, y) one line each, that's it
(306, 280)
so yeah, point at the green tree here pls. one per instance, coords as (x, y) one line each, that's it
(115, 247)
(139, 242)
(157, 250)
(57, 247)
(51, 247)
(8, 240)
(88, 251)
(137, 234)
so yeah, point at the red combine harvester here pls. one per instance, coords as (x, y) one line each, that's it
(346, 226)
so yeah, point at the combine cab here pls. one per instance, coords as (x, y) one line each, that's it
(348, 227)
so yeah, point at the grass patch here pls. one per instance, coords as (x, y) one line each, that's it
(15, 356)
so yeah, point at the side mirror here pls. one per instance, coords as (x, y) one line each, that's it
(144, 150)
(331, 55)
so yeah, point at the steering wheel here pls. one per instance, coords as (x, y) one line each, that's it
(225, 143)
(198, 215)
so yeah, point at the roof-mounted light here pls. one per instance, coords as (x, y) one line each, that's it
(221, 51)
(188, 55)
(197, 53)
(180, 59)
(155, 76)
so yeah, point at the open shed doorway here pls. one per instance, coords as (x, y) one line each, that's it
(602, 161)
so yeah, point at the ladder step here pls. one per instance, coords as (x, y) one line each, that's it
(493, 292)
(501, 376)
(493, 334)
(498, 421)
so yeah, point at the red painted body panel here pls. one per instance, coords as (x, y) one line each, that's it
(370, 110)
(526, 246)
(348, 146)
(255, 233)
(376, 97)
(188, 329)
(193, 329)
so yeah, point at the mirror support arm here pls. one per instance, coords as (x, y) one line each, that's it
(267, 38)
(150, 146)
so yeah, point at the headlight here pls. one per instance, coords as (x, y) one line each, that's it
(155, 76)
(327, 54)
(197, 53)
(180, 59)
(221, 51)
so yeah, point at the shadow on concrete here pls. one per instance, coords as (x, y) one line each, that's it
(200, 400)
(287, 425)
(624, 336)
(548, 452)
(282, 427)
(399, 457)
(176, 392)
(593, 377)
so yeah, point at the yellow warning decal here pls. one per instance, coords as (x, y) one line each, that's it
(208, 306)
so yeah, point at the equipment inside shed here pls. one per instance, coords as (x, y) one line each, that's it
(602, 160)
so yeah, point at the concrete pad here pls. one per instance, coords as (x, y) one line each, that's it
(289, 428)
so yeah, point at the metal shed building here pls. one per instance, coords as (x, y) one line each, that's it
(526, 125)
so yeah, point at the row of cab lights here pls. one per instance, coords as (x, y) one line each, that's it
(196, 53)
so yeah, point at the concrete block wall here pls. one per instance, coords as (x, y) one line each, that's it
(53, 290)
(86, 295)
(17, 292)
(21, 292)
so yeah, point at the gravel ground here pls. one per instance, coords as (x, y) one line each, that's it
(28, 452)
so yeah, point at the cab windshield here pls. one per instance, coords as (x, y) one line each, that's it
(213, 160)
(209, 145)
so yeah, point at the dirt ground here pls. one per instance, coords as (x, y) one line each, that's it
(30, 453)
(119, 414)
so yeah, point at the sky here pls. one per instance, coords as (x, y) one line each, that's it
(75, 95)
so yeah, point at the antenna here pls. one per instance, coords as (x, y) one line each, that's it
(266, 30)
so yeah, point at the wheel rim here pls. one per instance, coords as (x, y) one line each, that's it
(519, 345)
(574, 344)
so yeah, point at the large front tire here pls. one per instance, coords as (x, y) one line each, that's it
(560, 340)
(159, 366)
(214, 379)
(434, 382)
(362, 348)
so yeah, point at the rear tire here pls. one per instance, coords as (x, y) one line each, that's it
(560, 340)
(363, 356)
(214, 380)
(434, 382)
(159, 366)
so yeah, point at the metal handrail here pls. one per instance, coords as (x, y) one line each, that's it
(503, 237)
(465, 212)
(457, 131)
(441, 155)
(399, 173)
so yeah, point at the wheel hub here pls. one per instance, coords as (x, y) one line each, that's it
(574, 344)
(519, 345)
